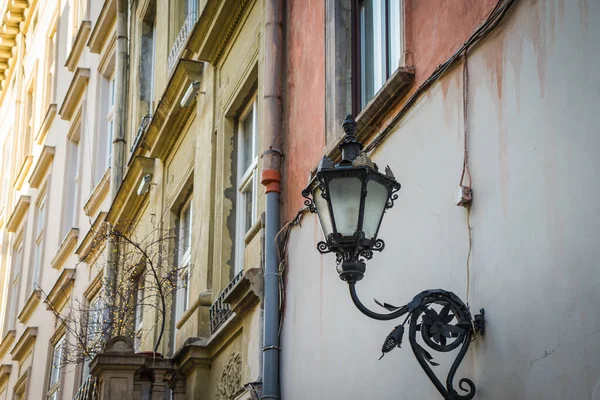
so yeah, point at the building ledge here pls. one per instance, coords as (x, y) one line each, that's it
(202, 300)
(30, 306)
(24, 343)
(59, 294)
(45, 127)
(18, 213)
(7, 340)
(41, 166)
(371, 116)
(74, 93)
(23, 171)
(169, 118)
(104, 23)
(78, 44)
(90, 244)
(5, 370)
(64, 250)
(98, 195)
(94, 286)
(127, 202)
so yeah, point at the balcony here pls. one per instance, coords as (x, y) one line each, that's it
(88, 390)
(220, 311)
(181, 40)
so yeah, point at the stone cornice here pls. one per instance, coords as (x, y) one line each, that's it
(41, 166)
(64, 250)
(25, 342)
(106, 19)
(98, 195)
(59, 293)
(48, 118)
(78, 44)
(74, 93)
(30, 305)
(169, 117)
(88, 247)
(127, 202)
(18, 213)
(7, 340)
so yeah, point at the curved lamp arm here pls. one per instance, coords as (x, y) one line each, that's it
(449, 328)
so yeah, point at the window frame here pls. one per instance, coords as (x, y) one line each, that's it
(72, 178)
(359, 99)
(246, 180)
(16, 275)
(39, 236)
(51, 58)
(183, 258)
(54, 387)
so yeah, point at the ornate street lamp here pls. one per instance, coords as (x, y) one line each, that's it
(350, 199)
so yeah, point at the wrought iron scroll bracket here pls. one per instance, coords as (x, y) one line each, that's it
(446, 327)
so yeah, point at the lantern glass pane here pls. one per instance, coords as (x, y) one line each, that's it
(345, 202)
(323, 212)
(377, 196)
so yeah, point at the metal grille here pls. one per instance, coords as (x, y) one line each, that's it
(220, 311)
(88, 390)
(181, 40)
(140, 132)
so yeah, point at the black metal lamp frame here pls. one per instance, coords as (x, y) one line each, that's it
(443, 328)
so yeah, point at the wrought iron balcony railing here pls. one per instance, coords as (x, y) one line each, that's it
(220, 311)
(88, 390)
(181, 40)
(140, 132)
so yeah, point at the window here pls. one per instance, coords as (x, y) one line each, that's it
(379, 45)
(55, 367)
(95, 331)
(50, 67)
(7, 153)
(106, 129)
(78, 15)
(247, 179)
(15, 280)
(27, 138)
(183, 258)
(139, 311)
(71, 190)
(38, 252)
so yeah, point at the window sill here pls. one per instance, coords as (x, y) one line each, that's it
(203, 300)
(15, 218)
(83, 32)
(65, 248)
(371, 116)
(254, 229)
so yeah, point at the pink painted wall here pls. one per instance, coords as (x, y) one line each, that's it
(304, 98)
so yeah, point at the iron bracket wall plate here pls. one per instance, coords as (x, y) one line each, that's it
(443, 328)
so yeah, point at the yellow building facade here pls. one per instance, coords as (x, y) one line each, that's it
(180, 236)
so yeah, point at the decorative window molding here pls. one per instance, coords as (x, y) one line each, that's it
(7, 340)
(30, 306)
(41, 167)
(98, 195)
(64, 250)
(23, 171)
(25, 343)
(19, 211)
(5, 370)
(105, 22)
(46, 123)
(60, 292)
(89, 245)
(74, 93)
(81, 38)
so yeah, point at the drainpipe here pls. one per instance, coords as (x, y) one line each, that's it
(118, 147)
(271, 178)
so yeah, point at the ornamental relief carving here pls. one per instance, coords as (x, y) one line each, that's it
(231, 378)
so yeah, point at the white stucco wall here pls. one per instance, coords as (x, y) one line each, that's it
(534, 145)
